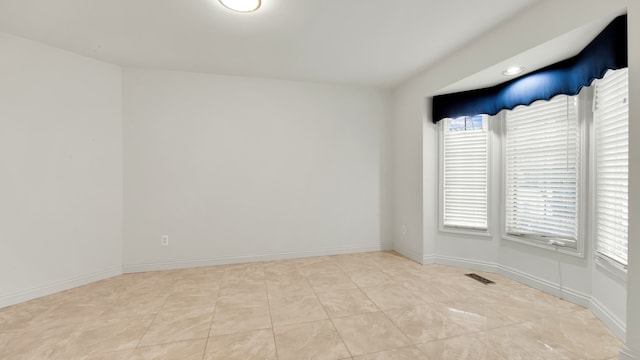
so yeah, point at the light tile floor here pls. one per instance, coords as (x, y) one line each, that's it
(369, 306)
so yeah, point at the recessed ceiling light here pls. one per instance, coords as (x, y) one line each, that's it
(514, 70)
(241, 5)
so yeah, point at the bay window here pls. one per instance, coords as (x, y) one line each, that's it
(545, 154)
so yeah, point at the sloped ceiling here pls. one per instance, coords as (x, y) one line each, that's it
(554, 50)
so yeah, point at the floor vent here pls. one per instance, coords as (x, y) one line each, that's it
(482, 279)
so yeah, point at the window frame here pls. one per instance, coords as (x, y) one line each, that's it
(467, 231)
(602, 261)
(584, 115)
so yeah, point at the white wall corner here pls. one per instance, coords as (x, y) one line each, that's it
(58, 286)
(428, 259)
(411, 254)
(617, 326)
(576, 297)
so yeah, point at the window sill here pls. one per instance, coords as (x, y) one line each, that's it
(567, 251)
(611, 268)
(465, 231)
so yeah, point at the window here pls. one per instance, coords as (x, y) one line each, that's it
(542, 168)
(464, 172)
(611, 123)
(549, 162)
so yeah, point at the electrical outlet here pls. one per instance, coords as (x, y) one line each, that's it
(404, 230)
(165, 240)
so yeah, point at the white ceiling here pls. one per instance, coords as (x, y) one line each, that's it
(560, 48)
(369, 42)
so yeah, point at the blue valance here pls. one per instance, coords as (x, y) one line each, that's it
(607, 51)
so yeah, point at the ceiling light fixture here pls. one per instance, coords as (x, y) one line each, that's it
(514, 70)
(242, 5)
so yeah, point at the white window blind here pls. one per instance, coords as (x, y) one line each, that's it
(611, 117)
(542, 171)
(465, 171)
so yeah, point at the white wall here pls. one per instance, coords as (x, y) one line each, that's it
(60, 170)
(407, 177)
(633, 272)
(242, 169)
(578, 279)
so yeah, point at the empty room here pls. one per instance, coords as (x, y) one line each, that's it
(291, 180)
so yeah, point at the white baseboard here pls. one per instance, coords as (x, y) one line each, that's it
(428, 259)
(628, 354)
(226, 260)
(413, 255)
(611, 321)
(58, 286)
(465, 263)
(577, 297)
(530, 280)
(574, 296)
(617, 326)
